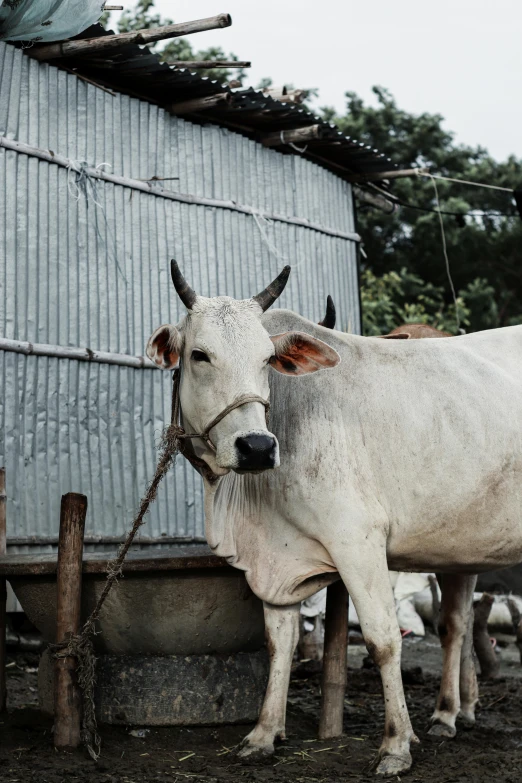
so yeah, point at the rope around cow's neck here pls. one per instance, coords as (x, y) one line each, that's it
(81, 646)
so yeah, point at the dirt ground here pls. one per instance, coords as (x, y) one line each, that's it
(491, 752)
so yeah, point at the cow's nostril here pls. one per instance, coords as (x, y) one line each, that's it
(256, 451)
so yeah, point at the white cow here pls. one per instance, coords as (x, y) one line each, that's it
(403, 454)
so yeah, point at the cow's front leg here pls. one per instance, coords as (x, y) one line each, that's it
(364, 571)
(455, 612)
(282, 634)
(469, 692)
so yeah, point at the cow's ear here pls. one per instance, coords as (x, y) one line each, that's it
(399, 336)
(164, 347)
(297, 353)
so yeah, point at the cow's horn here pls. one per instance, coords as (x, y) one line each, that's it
(330, 317)
(184, 291)
(267, 297)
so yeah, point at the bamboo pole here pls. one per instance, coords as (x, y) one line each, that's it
(185, 198)
(80, 354)
(333, 683)
(107, 43)
(3, 592)
(397, 174)
(210, 63)
(67, 701)
(219, 99)
(293, 136)
(489, 663)
(375, 199)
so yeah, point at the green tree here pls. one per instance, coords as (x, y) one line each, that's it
(485, 251)
(143, 16)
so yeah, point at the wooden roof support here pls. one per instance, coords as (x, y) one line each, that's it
(375, 200)
(106, 43)
(210, 63)
(386, 175)
(219, 100)
(293, 136)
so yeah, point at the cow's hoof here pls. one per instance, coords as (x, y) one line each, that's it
(389, 766)
(254, 754)
(439, 729)
(467, 720)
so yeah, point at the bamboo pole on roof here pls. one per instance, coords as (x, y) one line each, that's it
(210, 63)
(107, 43)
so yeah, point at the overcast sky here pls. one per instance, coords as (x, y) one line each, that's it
(460, 58)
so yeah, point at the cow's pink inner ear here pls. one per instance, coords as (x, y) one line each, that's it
(297, 353)
(163, 347)
(398, 336)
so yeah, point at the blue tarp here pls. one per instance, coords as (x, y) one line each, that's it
(47, 20)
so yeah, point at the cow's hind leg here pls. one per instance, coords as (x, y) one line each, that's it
(455, 611)
(365, 573)
(282, 634)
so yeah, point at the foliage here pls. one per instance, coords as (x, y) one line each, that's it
(394, 298)
(142, 16)
(485, 252)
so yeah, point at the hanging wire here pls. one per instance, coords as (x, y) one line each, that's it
(424, 173)
(445, 251)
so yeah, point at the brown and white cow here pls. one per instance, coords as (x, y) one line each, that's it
(401, 455)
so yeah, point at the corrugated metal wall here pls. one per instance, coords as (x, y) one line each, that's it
(75, 272)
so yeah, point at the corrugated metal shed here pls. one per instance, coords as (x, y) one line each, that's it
(93, 271)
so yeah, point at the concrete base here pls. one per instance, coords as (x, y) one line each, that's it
(174, 690)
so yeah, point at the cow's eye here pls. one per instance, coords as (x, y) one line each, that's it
(200, 356)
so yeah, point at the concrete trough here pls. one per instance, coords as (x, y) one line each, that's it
(181, 635)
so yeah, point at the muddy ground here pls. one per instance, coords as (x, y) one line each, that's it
(491, 752)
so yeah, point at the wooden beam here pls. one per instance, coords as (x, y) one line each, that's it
(488, 660)
(210, 63)
(292, 136)
(375, 199)
(333, 683)
(396, 174)
(107, 43)
(3, 592)
(67, 699)
(220, 99)
(516, 618)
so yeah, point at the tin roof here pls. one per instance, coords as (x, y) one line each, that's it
(137, 71)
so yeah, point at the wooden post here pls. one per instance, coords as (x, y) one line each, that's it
(333, 683)
(3, 591)
(435, 601)
(516, 618)
(67, 701)
(489, 663)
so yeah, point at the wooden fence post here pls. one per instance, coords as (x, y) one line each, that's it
(489, 663)
(67, 700)
(333, 683)
(3, 591)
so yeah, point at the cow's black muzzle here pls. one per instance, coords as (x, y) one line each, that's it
(256, 452)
